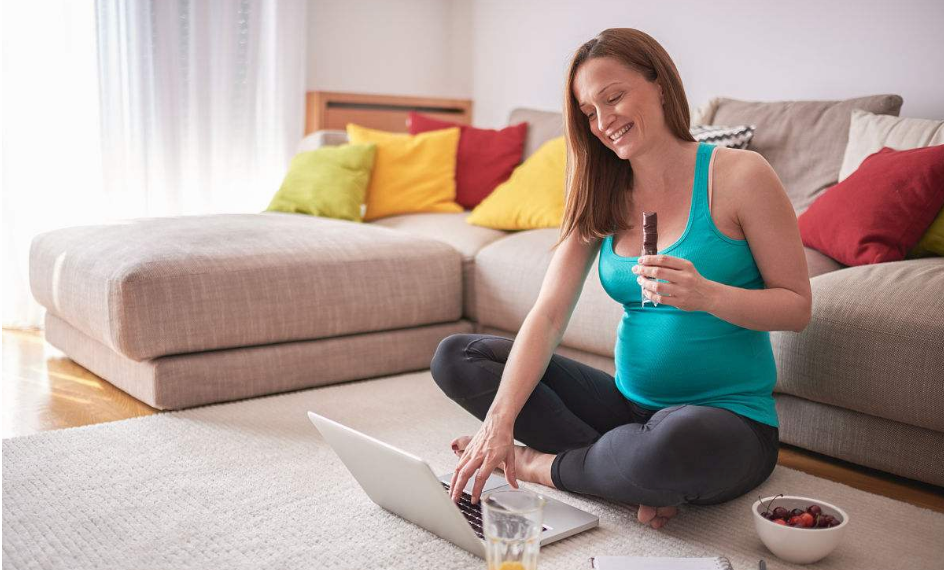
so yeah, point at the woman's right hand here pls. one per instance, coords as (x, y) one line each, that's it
(491, 445)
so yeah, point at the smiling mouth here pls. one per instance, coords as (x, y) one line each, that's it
(623, 132)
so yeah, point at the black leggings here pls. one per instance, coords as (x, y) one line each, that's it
(605, 444)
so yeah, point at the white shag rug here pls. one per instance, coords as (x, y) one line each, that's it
(253, 485)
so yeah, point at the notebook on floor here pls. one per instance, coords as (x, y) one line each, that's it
(659, 563)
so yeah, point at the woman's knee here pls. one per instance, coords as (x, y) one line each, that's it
(666, 453)
(708, 454)
(448, 360)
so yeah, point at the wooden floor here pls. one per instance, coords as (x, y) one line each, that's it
(44, 390)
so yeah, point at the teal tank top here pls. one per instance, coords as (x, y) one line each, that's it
(666, 356)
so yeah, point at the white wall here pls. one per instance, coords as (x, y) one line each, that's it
(504, 54)
(390, 47)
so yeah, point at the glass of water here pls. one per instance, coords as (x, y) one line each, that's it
(512, 523)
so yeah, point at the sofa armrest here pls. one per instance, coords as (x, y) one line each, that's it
(318, 139)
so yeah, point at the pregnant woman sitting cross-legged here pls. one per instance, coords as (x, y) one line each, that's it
(689, 416)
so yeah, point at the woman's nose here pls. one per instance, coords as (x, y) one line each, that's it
(603, 123)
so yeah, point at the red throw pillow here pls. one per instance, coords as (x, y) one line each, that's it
(485, 157)
(881, 210)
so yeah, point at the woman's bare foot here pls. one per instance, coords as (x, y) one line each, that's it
(535, 467)
(530, 465)
(655, 517)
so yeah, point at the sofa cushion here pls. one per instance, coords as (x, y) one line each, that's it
(804, 141)
(903, 449)
(819, 263)
(453, 229)
(542, 127)
(320, 139)
(533, 197)
(869, 132)
(874, 344)
(881, 211)
(508, 278)
(198, 378)
(412, 173)
(485, 157)
(330, 182)
(153, 287)
(719, 135)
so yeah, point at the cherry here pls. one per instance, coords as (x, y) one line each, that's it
(806, 519)
(812, 517)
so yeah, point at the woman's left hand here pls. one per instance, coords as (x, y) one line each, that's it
(686, 288)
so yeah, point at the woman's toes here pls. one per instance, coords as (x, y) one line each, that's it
(663, 514)
(666, 512)
(460, 443)
(655, 517)
(646, 514)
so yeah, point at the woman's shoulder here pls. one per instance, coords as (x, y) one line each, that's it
(735, 170)
(737, 160)
(746, 183)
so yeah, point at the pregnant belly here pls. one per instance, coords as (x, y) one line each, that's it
(672, 357)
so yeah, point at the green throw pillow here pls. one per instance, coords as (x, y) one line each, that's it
(330, 182)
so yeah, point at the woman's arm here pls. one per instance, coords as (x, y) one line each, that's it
(769, 223)
(530, 355)
(777, 309)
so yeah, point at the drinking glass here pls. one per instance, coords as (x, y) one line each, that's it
(512, 524)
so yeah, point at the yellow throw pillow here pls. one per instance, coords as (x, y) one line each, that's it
(932, 242)
(329, 182)
(533, 197)
(412, 173)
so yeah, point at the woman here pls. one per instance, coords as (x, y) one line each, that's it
(689, 416)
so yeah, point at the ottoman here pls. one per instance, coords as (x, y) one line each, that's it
(192, 310)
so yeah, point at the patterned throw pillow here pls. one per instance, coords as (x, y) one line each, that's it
(731, 137)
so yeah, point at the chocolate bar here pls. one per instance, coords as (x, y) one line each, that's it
(650, 241)
(650, 233)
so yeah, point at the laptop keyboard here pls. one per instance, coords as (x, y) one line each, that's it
(473, 513)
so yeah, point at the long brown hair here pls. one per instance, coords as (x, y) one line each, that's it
(598, 180)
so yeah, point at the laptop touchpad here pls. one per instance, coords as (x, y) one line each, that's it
(494, 482)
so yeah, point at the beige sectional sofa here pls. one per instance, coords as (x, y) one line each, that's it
(186, 311)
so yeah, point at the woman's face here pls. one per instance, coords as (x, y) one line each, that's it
(613, 96)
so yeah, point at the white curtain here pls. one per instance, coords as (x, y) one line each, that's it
(144, 108)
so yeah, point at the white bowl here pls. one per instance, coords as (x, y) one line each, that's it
(796, 544)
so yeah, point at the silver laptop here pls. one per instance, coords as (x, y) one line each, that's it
(406, 486)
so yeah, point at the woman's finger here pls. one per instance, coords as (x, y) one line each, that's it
(511, 472)
(464, 475)
(481, 478)
(658, 287)
(663, 260)
(658, 299)
(666, 273)
(455, 474)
